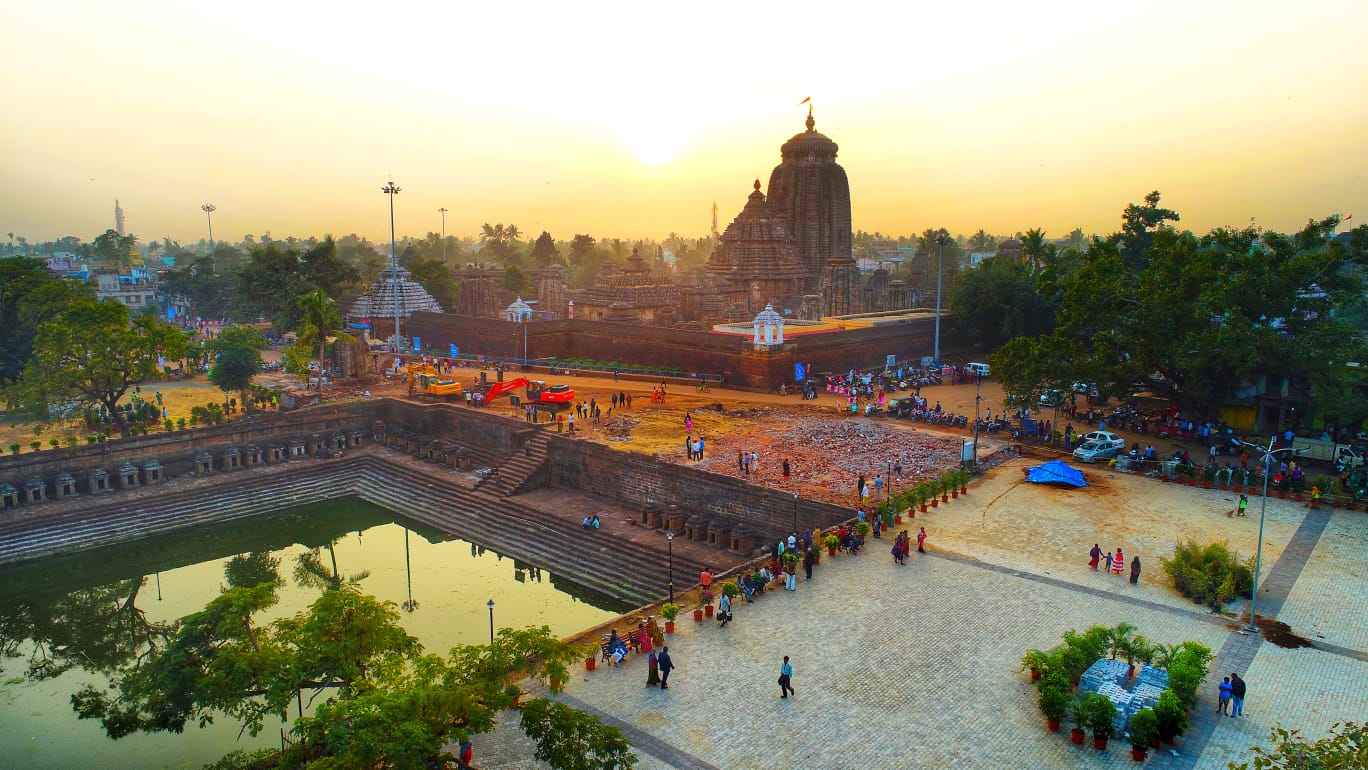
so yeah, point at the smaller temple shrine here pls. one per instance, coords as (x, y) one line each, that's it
(394, 293)
(633, 294)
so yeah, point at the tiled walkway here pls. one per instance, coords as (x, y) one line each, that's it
(915, 667)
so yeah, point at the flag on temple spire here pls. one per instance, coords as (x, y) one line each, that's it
(805, 101)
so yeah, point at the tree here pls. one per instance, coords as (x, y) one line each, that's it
(982, 241)
(320, 321)
(237, 352)
(211, 294)
(115, 249)
(1345, 748)
(1209, 314)
(515, 280)
(1035, 250)
(435, 276)
(91, 355)
(544, 251)
(569, 739)
(998, 300)
(1138, 223)
(390, 704)
(501, 242)
(29, 297)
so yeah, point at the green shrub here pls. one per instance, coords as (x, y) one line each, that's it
(1144, 728)
(1212, 575)
(1055, 701)
(1171, 715)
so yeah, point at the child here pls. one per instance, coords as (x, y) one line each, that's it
(1223, 701)
(1109, 560)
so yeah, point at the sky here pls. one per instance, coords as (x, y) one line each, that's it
(629, 119)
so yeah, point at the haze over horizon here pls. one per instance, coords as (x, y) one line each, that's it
(630, 120)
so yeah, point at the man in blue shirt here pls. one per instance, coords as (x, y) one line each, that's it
(786, 678)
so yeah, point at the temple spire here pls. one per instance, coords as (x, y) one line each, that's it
(810, 122)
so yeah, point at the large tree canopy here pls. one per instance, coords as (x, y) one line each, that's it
(998, 300)
(390, 705)
(1197, 318)
(237, 359)
(29, 297)
(91, 355)
(275, 277)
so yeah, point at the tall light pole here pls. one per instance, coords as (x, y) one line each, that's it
(669, 540)
(392, 190)
(491, 621)
(795, 512)
(978, 398)
(940, 254)
(443, 212)
(209, 210)
(1269, 455)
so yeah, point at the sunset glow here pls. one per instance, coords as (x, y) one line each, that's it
(629, 119)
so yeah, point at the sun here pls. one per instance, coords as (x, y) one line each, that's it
(655, 148)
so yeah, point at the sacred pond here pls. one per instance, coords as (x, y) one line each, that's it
(68, 622)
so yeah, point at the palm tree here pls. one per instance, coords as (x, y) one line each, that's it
(982, 241)
(320, 322)
(1035, 248)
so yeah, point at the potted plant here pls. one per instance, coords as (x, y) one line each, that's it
(1144, 733)
(863, 529)
(933, 491)
(1078, 718)
(964, 476)
(706, 597)
(1171, 716)
(943, 483)
(1035, 661)
(886, 519)
(832, 543)
(921, 493)
(1100, 714)
(1055, 700)
(669, 611)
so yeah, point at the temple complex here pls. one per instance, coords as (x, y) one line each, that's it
(790, 247)
(394, 293)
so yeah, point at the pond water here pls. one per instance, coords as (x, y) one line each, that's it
(64, 622)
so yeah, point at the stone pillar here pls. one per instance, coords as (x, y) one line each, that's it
(9, 495)
(204, 463)
(674, 519)
(650, 514)
(65, 485)
(696, 529)
(463, 458)
(719, 534)
(35, 491)
(152, 472)
(128, 475)
(99, 481)
(742, 541)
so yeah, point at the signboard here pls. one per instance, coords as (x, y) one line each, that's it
(891, 362)
(798, 373)
(417, 343)
(455, 351)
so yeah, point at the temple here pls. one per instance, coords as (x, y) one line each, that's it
(789, 248)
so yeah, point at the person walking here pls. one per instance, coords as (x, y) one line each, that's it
(723, 610)
(1242, 506)
(1118, 562)
(786, 467)
(921, 540)
(1135, 571)
(807, 564)
(1223, 698)
(653, 670)
(1237, 695)
(1096, 554)
(665, 665)
(1107, 557)
(786, 678)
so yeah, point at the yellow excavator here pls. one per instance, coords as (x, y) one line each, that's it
(425, 380)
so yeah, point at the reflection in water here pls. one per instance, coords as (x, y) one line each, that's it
(73, 621)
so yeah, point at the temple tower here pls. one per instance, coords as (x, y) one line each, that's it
(809, 191)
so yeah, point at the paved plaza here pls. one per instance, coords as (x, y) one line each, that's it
(916, 666)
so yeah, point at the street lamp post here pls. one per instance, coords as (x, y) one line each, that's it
(1269, 455)
(978, 398)
(392, 190)
(491, 621)
(940, 255)
(209, 210)
(795, 512)
(443, 211)
(669, 540)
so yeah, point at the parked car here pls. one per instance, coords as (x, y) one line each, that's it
(1104, 436)
(1095, 451)
(1051, 398)
(978, 369)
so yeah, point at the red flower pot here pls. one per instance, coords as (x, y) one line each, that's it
(669, 626)
(708, 610)
(883, 527)
(923, 507)
(1035, 675)
(1206, 485)
(934, 502)
(1282, 495)
(1164, 479)
(944, 499)
(590, 663)
(1138, 754)
(831, 551)
(954, 493)
(964, 490)
(698, 616)
(1052, 725)
(1076, 735)
(1297, 497)
(1100, 744)
(897, 519)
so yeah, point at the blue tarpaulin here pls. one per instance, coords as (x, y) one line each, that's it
(1056, 472)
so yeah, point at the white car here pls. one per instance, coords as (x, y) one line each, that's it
(1095, 451)
(1105, 436)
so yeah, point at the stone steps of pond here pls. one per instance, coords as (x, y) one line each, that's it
(517, 469)
(111, 522)
(618, 568)
(473, 517)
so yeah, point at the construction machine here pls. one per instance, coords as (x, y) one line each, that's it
(550, 397)
(426, 380)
